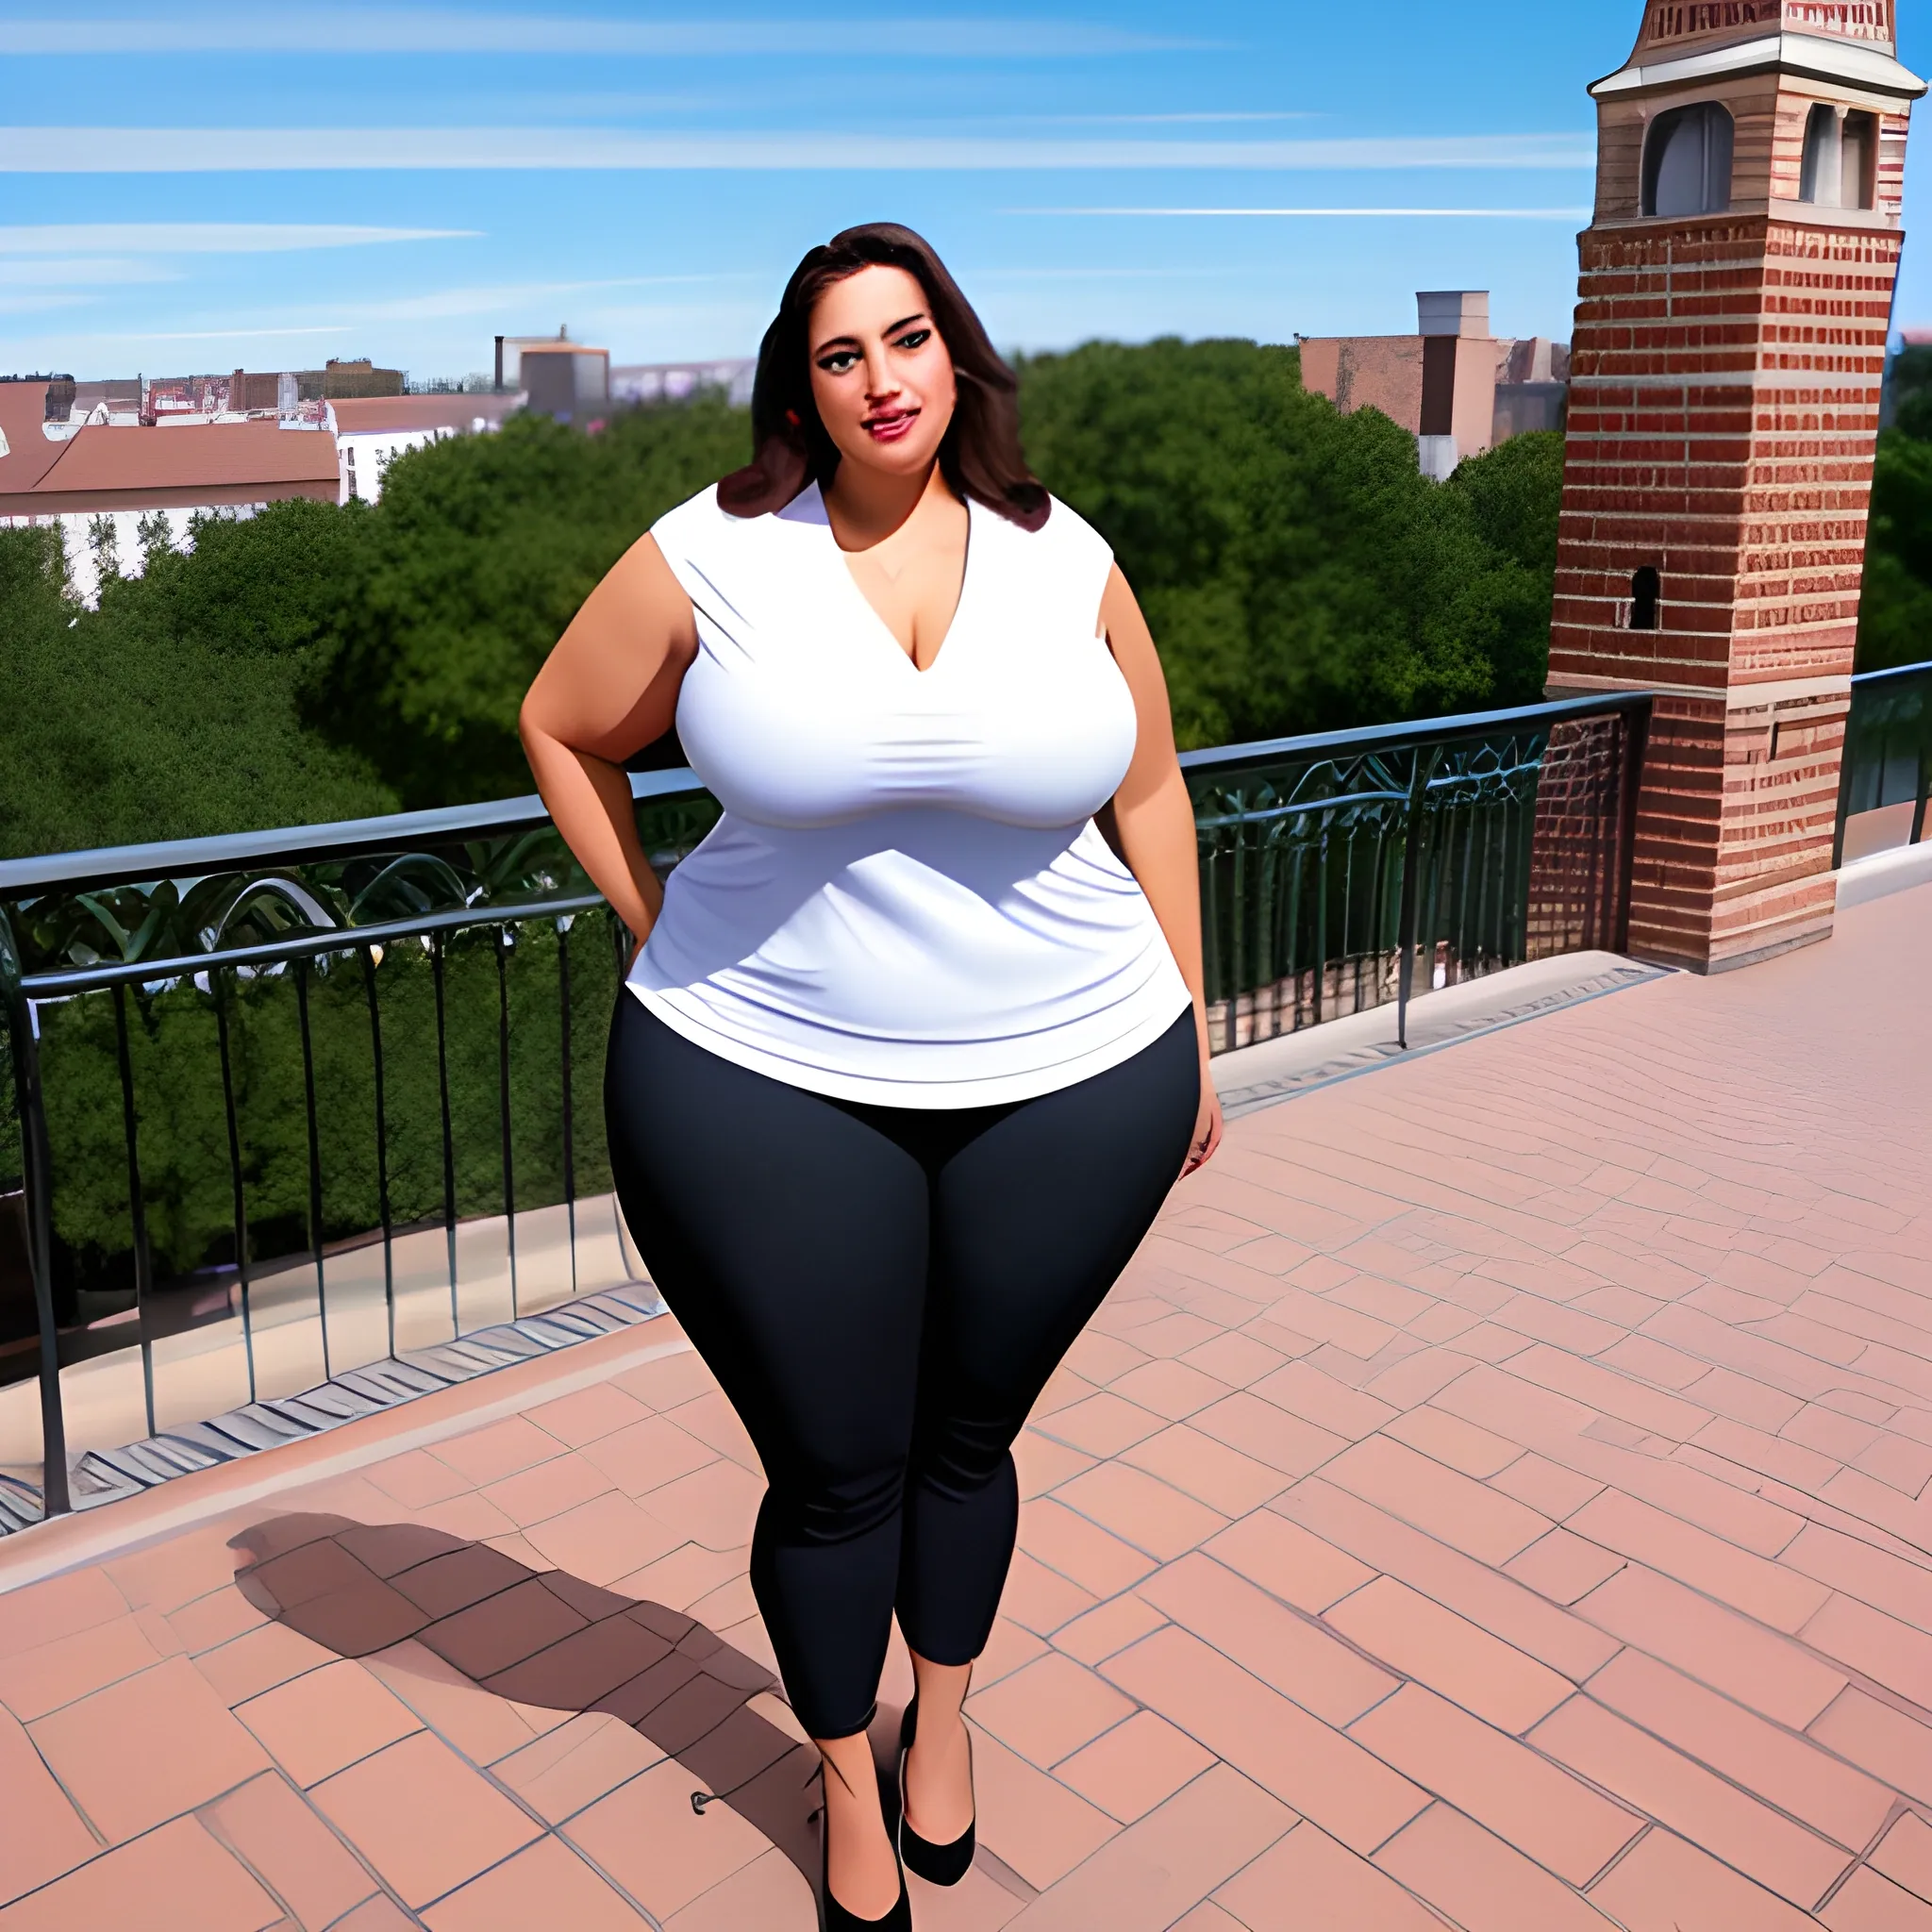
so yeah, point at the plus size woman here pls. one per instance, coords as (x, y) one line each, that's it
(911, 1048)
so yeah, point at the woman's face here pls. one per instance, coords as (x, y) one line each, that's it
(880, 374)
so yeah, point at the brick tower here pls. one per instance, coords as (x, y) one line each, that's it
(1735, 298)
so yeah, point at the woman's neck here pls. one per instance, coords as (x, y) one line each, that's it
(866, 507)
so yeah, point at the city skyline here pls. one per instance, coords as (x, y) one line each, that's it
(208, 188)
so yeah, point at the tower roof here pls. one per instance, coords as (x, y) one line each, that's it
(1849, 42)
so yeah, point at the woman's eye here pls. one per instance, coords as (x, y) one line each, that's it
(837, 363)
(914, 338)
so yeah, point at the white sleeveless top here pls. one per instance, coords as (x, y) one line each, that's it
(906, 901)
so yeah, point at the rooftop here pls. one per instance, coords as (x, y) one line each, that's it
(1497, 1494)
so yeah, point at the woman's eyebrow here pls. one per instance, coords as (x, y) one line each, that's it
(906, 321)
(837, 342)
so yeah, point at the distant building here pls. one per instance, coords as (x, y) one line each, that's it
(1457, 389)
(675, 382)
(112, 489)
(370, 432)
(566, 380)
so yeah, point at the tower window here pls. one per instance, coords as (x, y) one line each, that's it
(1687, 161)
(1841, 158)
(1646, 588)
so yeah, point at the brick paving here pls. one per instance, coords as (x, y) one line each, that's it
(1496, 1495)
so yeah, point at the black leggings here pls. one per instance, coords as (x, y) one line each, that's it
(882, 1293)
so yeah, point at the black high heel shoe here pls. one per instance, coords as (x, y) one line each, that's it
(936, 1864)
(833, 1917)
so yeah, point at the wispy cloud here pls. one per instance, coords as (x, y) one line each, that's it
(59, 272)
(267, 150)
(216, 334)
(283, 29)
(1455, 214)
(495, 301)
(206, 238)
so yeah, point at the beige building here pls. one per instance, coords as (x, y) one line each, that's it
(1455, 388)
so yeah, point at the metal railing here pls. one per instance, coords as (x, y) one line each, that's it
(1887, 755)
(284, 1105)
(1335, 869)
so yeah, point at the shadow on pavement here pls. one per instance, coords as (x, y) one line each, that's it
(546, 1638)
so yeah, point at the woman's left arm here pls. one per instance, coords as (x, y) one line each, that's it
(1155, 821)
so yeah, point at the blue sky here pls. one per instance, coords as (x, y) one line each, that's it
(197, 188)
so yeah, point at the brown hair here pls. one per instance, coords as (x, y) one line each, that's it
(980, 456)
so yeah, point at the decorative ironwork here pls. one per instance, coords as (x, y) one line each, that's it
(1336, 869)
(1887, 755)
(271, 1092)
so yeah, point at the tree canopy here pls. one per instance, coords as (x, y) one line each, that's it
(314, 663)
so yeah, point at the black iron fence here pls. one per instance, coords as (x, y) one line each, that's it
(1345, 871)
(279, 1106)
(1888, 756)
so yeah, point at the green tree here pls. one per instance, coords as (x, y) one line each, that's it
(1895, 611)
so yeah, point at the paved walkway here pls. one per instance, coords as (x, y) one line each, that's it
(1498, 1494)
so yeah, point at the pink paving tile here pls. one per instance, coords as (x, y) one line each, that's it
(597, 1541)
(1100, 1356)
(979, 1903)
(1904, 1856)
(380, 1914)
(1101, 1424)
(1049, 1709)
(425, 1820)
(1009, 1647)
(1867, 1902)
(1887, 1742)
(1664, 1884)
(208, 1622)
(1157, 1870)
(1169, 1388)
(1899, 1656)
(1712, 1644)
(1306, 1882)
(1269, 1434)
(1876, 1576)
(535, 1495)
(45, 1835)
(1766, 1454)
(1545, 1486)
(584, 1759)
(1280, 1648)
(1522, 1797)
(1303, 1763)
(1305, 1391)
(176, 1879)
(1134, 1767)
(1044, 1464)
(268, 1826)
(1452, 1507)
(41, 1612)
(588, 1415)
(714, 1507)
(1236, 1359)
(1650, 1409)
(1289, 1562)
(477, 1722)
(644, 1456)
(1786, 1859)
(1209, 1470)
(258, 1661)
(682, 1577)
(1040, 1599)
(127, 1792)
(1502, 1606)
(1563, 1566)
(1748, 1582)
(1421, 1639)
(1449, 1439)
(1110, 1627)
(548, 1883)
(1141, 1509)
(316, 1725)
(770, 1893)
(1171, 1334)
(417, 1478)
(1208, 1917)
(1063, 1390)
(713, 1419)
(1480, 1882)
(500, 1449)
(33, 1682)
(1809, 1783)
(1029, 1820)
(1079, 1550)
(645, 1835)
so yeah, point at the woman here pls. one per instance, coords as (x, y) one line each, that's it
(909, 1057)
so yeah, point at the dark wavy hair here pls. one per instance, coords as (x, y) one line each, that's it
(980, 456)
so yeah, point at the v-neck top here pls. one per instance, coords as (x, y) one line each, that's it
(906, 901)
